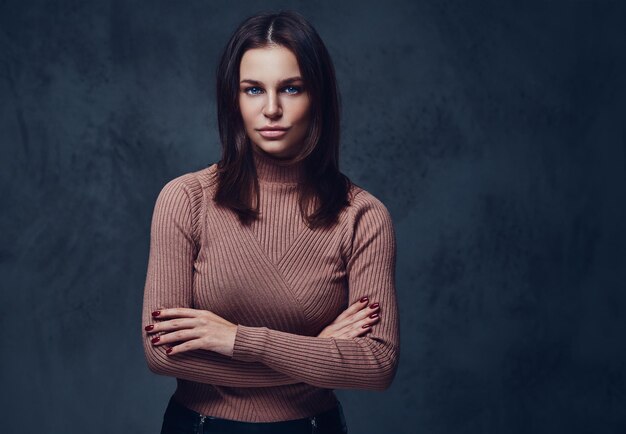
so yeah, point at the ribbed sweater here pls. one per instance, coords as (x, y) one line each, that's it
(282, 283)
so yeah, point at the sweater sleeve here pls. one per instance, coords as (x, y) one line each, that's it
(169, 283)
(366, 362)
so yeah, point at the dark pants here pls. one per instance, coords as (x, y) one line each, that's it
(179, 419)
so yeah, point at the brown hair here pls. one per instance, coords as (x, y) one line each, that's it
(236, 173)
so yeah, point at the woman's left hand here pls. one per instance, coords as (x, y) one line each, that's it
(198, 329)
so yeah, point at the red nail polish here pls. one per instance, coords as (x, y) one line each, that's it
(155, 339)
(169, 350)
(374, 306)
(149, 327)
(374, 315)
(365, 326)
(156, 313)
(364, 299)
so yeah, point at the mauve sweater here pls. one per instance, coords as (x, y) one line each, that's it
(281, 283)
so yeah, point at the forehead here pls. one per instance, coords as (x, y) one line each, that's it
(268, 64)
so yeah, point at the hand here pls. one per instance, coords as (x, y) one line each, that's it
(197, 329)
(350, 322)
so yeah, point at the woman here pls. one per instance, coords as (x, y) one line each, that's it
(254, 259)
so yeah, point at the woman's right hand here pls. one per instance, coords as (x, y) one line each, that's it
(355, 321)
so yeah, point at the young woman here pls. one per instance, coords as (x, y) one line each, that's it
(271, 277)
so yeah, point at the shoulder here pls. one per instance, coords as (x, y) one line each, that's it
(180, 202)
(369, 226)
(364, 204)
(368, 223)
(182, 199)
(188, 186)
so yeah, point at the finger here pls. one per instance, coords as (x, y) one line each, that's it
(185, 346)
(175, 336)
(359, 316)
(358, 328)
(364, 313)
(366, 324)
(349, 326)
(175, 312)
(353, 308)
(355, 332)
(171, 324)
(358, 332)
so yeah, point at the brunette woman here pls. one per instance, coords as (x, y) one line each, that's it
(271, 276)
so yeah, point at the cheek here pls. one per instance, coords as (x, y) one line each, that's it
(247, 114)
(301, 112)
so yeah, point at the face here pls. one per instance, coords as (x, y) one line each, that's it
(272, 94)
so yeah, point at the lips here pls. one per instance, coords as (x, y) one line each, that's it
(273, 128)
(273, 132)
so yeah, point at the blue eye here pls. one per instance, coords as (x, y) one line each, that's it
(297, 89)
(251, 88)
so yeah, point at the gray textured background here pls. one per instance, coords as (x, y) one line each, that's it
(494, 132)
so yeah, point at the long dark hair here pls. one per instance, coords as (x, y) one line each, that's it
(236, 173)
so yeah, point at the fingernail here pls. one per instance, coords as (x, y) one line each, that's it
(169, 350)
(365, 326)
(364, 299)
(374, 306)
(374, 315)
(156, 313)
(149, 327)
(155, 339)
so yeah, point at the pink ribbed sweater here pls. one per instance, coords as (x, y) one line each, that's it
(281, 283)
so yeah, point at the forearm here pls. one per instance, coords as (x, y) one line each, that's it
(356, 363)
(212, 368)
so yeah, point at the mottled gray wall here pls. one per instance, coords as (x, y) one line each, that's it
(494, 132)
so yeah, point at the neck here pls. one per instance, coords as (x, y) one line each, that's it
(271, 169)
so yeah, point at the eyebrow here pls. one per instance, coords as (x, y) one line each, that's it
(284, 81)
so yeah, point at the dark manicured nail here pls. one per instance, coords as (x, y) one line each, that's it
(156, 339)
(156, 313)
(169, 350)
(374, 315)
(364, 299)
(374, 306)
(149, 327)
(365, 326)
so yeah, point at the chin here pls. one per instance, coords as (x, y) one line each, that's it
(275, 151)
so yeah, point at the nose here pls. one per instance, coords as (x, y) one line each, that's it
(272, 108)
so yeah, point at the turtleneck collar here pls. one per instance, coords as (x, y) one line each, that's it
(270, 169)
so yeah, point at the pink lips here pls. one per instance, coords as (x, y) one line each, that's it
(272, 134)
